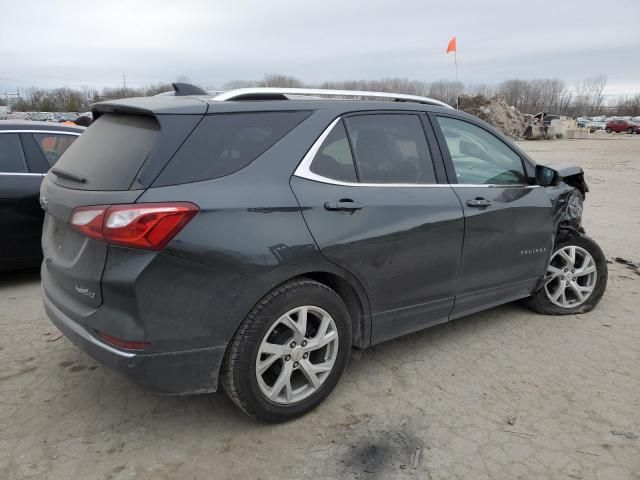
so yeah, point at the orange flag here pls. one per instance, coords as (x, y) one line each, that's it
(452, 45)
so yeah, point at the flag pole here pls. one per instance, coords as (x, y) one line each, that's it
(455, 61)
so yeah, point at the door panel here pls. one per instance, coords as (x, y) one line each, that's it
(403, 245)
(506, 244)
(508, 223)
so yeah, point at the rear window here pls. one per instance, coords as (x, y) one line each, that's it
(110, 153)
(225, 143)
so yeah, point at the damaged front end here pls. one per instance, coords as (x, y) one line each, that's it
(568, 195)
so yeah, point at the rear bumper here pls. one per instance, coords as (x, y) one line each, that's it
(171, 373)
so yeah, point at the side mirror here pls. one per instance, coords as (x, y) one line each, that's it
(547, 177)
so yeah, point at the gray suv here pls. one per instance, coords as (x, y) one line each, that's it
(249, 241)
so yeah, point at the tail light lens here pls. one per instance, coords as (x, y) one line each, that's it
(150, 226)
(119, 342)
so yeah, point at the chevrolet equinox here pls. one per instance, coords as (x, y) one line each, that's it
(248, 241)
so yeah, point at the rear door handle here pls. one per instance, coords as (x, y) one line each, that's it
(478, 202)
(343, 205)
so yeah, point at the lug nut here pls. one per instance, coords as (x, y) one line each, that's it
(306, 355)
(573, 270)
(295, 364)
(562, 277)
(304, 343)
(566, 270)
(287, 358)
(293, 345)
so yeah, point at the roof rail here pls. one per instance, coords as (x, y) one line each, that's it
(275, 93)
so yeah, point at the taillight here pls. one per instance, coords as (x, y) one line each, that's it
(150, 226)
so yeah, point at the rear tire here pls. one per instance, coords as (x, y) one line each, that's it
(276, 368)
(567, 282)
(608, 130)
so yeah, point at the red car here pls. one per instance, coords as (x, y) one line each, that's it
(622, 126)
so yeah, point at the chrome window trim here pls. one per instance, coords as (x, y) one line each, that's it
(304, 171)
(23, 174)
(57, 132)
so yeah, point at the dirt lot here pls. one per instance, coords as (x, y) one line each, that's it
(503, 394)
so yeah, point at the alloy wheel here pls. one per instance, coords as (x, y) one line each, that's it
(571, 277)
(297, 355)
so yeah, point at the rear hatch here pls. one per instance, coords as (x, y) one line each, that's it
(112, 163)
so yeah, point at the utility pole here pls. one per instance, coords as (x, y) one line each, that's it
(124, 82)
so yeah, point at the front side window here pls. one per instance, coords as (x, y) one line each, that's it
(11, 154)
(334, 159)
(480, 157)
(53, 145)
(390, 148)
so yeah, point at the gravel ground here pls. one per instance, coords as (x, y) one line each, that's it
(504, 394)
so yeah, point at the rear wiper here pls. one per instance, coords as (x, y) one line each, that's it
(58, 172)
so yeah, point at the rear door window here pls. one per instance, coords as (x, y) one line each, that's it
(391, 148)
(224, 143)
(334, 159)
(11, 154)
(53, 145)
(109, 154)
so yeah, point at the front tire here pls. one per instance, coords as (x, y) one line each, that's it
(608, 130)
(289, 352)
(576, 278)
(630, 130)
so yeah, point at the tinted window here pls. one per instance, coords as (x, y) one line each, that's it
(390, 148)
(11, 155)
(480, 157)
(53, 146)
(334, 159)
(110, 152)
(224, 143)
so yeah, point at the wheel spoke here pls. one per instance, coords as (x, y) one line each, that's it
(264, 365)
(283, 382)
(552, 274)
(311, 371)
(299, 326)
(274, 349)
(569, 255)
(555, 296)
(577, 291)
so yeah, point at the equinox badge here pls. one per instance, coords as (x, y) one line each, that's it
(85, 291)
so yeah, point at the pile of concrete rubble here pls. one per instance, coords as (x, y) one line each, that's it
(494, 110)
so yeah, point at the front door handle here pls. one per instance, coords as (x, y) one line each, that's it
(478, 202)
(343, 205)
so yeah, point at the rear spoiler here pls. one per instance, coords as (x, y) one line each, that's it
(152, 106)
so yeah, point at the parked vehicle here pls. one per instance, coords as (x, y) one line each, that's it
(620, 125)
(249, 241)
(27, 150)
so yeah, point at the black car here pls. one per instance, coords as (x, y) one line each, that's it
(249, 241)
(27, 151)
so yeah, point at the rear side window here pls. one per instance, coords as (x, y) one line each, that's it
(225, 143)
(391, 148)
(334, 159)
(11, 154)
(53, 145)
(110, 153)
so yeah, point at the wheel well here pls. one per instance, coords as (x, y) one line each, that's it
(351, 299)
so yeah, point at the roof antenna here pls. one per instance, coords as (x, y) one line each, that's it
(183, 89)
